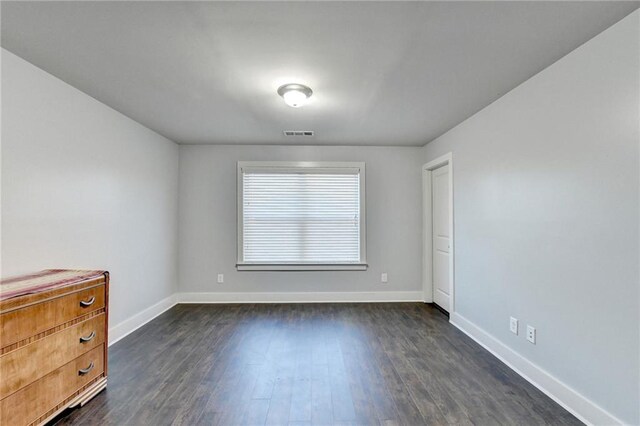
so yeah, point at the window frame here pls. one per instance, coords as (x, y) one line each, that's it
(308, 167)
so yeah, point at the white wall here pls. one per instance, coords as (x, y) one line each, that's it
(208, 222)
(85, 187)
(546, 218)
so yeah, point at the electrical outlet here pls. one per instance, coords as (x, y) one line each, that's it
(220, 278)
(384, 278)
(513, 325)
(531, 334)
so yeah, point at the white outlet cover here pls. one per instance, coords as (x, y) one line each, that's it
(531, 334)
(513, 325)
(220, 278)
(384, 278)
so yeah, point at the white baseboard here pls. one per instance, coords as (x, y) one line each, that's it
(583, 408)
(133, 323)
(302, 297)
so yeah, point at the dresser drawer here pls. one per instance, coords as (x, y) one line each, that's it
(27, 364)
(29, 403)
(30, 320)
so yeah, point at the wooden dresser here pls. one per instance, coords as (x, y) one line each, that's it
(53, 343)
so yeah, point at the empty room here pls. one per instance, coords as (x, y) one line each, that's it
(320, 213)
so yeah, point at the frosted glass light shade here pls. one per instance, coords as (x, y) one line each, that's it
(295, 95)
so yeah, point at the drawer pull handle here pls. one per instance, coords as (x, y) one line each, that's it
(84, 371)
(85, 303)
(85, 339)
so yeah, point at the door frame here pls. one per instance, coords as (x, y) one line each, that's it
(427, 230)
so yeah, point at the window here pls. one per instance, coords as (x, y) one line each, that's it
(301, 216)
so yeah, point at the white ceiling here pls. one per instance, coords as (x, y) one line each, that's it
(383, 73)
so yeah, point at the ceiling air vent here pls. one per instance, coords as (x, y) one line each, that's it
(298, 132)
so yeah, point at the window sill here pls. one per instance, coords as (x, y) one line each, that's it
(301, 267)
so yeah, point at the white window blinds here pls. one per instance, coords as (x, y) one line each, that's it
(301, 215)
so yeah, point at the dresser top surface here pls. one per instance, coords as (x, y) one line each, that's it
(45, 280)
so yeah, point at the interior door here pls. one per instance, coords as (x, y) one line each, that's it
(441, 237)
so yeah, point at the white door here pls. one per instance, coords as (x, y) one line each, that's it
(441, 237)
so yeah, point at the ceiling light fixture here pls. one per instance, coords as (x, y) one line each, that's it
(295, 95)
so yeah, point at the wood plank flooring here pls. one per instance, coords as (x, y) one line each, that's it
(310, 364)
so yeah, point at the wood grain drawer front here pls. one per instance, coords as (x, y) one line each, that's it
(28, 363)
(28, 321)
(31, 402)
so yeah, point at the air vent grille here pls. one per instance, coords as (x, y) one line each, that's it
(298, 132)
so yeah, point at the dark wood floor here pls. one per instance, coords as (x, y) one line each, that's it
(310, 364)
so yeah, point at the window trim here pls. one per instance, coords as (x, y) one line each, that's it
(295, 266)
